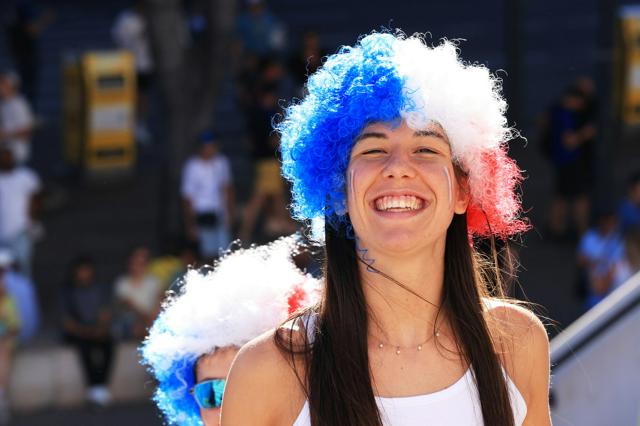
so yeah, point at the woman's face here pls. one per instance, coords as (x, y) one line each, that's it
(402, 191)
(214, 366)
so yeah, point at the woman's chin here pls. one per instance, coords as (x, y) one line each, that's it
(398, 242)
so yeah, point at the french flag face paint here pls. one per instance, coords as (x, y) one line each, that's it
(393, 78)
(449, 185)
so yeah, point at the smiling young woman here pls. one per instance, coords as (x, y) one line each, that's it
(399, 149)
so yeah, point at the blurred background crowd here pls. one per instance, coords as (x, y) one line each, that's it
(136, 139)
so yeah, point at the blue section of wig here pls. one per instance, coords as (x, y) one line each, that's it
(356, 86)
(172, 394)
(173, 397)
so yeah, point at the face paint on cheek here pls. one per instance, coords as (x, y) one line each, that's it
(352, 177)
(352, 186)
(449, 184)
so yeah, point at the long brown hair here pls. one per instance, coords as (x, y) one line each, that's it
(336, 377)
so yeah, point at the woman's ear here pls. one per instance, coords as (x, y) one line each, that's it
(463, 195)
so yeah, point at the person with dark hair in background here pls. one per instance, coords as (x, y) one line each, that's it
(570, 144)
(398, 158)
(86, 323)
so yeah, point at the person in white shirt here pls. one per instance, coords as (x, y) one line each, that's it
(208, 197)
(16, 118)
(19, 190)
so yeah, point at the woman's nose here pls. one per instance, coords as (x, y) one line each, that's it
(398, 165)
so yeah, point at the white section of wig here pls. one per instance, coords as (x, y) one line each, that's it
(245, 295)
(464, 99)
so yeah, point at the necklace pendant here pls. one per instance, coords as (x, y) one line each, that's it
(419, 347)
(381, 346)
(398, 350)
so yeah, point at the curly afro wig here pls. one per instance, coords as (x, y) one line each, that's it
(389, 77)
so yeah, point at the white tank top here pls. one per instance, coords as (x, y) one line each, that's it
(458, 404)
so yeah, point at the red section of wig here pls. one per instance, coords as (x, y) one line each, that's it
(494, 208)
(296, 299)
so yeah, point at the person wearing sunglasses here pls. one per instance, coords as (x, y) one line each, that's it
(192, 343)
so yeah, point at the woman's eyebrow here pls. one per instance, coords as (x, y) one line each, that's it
(429, 133)
(366, 135)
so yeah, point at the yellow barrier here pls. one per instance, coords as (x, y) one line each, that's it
(630, 72)
(99, 112)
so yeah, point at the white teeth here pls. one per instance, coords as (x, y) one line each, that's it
(401, 202)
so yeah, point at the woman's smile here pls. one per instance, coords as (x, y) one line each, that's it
(398, 203)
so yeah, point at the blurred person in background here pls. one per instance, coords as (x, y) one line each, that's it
(568, 133)
(25, 27)
(191, 345)
(601, 256)
(208, 197)
(629, 210)
(189, 259)
(178, 257)
(19, 205)
(166, 263)
(172, 262)
(130, 32)
(16, 118)
(631, 263)
(259, 31)
(21, 289)
(138, 295)
(306, 60)
(86, 322)
(260, 37)
(588, 119)
(268, 194)
(9, 329)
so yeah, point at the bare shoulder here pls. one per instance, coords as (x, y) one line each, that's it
(512, 318)
(262, 386)
(518, 332)
(523, 343)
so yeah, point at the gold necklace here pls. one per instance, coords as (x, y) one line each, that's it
(399, 349)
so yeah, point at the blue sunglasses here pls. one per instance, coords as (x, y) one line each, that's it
(208, 393)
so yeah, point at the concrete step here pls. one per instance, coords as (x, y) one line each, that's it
(52, 378)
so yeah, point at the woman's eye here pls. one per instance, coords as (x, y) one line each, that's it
(373, 151)
(426, 151)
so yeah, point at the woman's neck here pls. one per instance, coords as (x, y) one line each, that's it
(403, 296)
